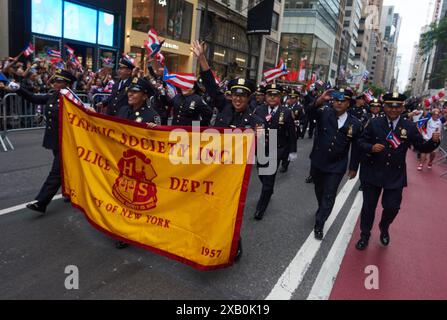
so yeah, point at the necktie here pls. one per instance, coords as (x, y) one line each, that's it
(391, 126)
(121, 85)
(272, 112)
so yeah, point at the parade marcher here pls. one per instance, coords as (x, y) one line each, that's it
(309, 101)
(375, 110)
(337, 134)
(118, 98)
(61, 80)
(188, 107)
(279, 118)
(233, 113)
(258, 98)
(359, 108)
(434, 124)
(137, 110)
(385, 142)
(298, 112)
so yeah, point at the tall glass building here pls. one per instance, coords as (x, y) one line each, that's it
(310, 30)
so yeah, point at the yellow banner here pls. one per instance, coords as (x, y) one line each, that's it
(166, 191)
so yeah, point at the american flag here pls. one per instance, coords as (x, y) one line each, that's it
(393, 140)
(275, 73)
(184, 81)
(29, 50)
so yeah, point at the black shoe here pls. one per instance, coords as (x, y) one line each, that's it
(67, 200)
(319, 235)
(310, 180)
(283, 170)
(38, 207)
(259, 215)
(385, 238)
(121, 245)
(362, 244)
(239, 252)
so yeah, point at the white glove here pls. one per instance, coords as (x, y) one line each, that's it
(13, 86)
(293, 157)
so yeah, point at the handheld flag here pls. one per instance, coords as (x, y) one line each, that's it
(3, 78)
(54, 54)
(422, 125)
(439, 96)
(29, 50)
(153, 44)
(184, 81)
(393, 140)
(279, 71)
(70, 51)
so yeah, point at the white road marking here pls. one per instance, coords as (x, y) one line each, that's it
(22, 206)
(325, 281)
(295, 272)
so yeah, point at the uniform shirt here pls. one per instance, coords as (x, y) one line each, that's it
(333, 142)
(118, 97)
(144, 114)
(432, 127)
(388, 169)
(51, 113)
(189, 109)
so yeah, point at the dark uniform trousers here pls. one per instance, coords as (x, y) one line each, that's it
(391, 201)
(282, 121)
(51, 142)
(330, 158)
(326, 188)
(52, 183)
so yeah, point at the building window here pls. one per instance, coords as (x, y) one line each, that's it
(275, 21)
(173, 21)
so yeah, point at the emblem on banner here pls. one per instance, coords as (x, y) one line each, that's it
(134, 187)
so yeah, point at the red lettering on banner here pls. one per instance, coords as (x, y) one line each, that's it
(192, 186)
(94, 158)
(158, 222)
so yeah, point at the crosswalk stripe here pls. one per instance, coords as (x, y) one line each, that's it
(22, 206)
(325, 281)
(295, 272)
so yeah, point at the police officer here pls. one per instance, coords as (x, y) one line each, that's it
(137, 110)
(294, 105)
(118, 98)
(383, 172)
(279, 118)
(337, 133)
(234, 113)
(61, 80)
(189, 107)
(375, 111)
(359, 108)
(258, 98)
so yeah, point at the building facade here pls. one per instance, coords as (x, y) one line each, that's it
(175, 22)
(310, 31)
(93, 28)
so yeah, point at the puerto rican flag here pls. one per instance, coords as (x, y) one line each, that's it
(54, 53)
(184, 81)
(29, 50)
(70, 51)
(369, 96)
(393, 140)
(439, 96)
(279, 71)
(153, 44)
(75, 62)
(422, 125)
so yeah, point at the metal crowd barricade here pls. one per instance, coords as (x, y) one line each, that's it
(97, 98)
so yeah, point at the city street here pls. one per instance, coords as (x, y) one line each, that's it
(281, 258)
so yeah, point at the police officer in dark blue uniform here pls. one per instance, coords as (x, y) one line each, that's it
(258, 98)
(189, 107)
(337, 134)
(137, 110)
(375, 111)
(234, 113)
(62, 79)
(118, 98)
(279, 118)
(385, 142)
(359, 108)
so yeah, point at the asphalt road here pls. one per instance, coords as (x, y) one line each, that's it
(35, 250)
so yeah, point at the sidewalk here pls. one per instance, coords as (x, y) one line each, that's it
(414, 265)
